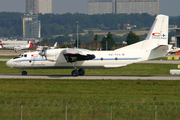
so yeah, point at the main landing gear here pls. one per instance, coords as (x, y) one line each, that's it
(76, 72)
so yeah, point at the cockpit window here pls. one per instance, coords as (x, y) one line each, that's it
(16, 57)
(21, 55)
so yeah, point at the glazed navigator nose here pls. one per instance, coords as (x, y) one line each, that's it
(9, 63)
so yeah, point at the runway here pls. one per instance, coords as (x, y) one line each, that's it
(91, 77)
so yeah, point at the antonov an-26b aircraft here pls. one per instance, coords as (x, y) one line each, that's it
(155, 45)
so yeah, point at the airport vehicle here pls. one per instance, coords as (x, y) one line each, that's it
(174, 50)
(155, 45)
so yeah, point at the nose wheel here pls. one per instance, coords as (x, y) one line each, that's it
(24, 73)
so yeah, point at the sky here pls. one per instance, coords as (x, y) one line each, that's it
(167, 7)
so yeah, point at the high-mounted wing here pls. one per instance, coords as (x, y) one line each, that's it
(72, 55)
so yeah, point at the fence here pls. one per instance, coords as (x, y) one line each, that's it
(90, 109)
(91, 104)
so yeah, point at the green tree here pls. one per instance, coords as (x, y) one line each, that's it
(96, 37)
(45, 40)
(66, 46)
(90, 35)
(107, 41)
(132, 38)
(101, 26)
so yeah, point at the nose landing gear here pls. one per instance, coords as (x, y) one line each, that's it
(24, 72)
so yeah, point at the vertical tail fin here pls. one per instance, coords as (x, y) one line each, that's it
(30, 45)
(55, 45)
(158, 34)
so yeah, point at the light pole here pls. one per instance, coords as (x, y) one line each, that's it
(77, 33)
(106, 45)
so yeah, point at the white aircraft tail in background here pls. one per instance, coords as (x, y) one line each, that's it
(55, 45)
(155, 45)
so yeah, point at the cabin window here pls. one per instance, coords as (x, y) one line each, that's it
(116, 58)
(101, 58)
(25, 55)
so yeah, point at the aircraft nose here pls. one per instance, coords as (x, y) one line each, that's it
(9, 63)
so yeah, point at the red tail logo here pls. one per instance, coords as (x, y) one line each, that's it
(1, 45)
(32, 45)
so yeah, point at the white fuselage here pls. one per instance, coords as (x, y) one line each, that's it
(103, 59)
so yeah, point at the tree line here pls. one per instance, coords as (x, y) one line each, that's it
(56, 24)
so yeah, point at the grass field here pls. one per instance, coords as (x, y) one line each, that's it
(89, 91)
(7, 56)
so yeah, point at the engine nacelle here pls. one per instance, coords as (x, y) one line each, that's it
(50, 54)
(55, 55)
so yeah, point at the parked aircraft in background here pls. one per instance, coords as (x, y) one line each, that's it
(24, 47)
(17, 45)
(155, 45)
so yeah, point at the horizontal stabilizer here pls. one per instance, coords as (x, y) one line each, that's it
(163, 47)
(160, 51)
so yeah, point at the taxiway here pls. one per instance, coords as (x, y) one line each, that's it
(89, 77)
